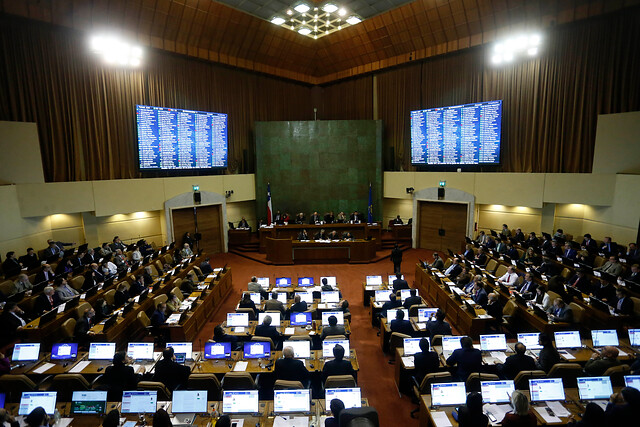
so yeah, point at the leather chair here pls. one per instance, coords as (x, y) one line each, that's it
(66, 384)
(474, 379)
(14, 385)
(177, 292)
(492, 266)
(436, 340)
(425, 386)
(339, 381)
(578, 312)
(109, 296)
(208, 382)
(300, 338)
(159, 300)
(77, 282)
(617, 373)
(521, 380)
(249, 311)
(396, 340)
(81, 308)
(359, 417)
(287, 385)
(163, 391)
(67, 329)
(267, 339)
(413, 310)
(569, 372)
(238, 381)
(335, 337)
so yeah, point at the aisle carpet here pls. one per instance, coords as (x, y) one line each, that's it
(376, 374)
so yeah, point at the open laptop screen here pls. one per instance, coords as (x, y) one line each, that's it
(291, 401)
(188, 401)
(383, 295)
(329, 296)
(634, 337)
(301, 349)
(283, 282)
(331, 280)
(530, 340)
(263, 281)
(451, 343)
(326, 314)
(305, 281)
(568, 339)
(447, 394)
(497, 391)
(300, 319)
(275, 317)
(217, 350)
(257, 350)
(546, 389)
(427, 314)
(182, 348)
(328, 345)
(64, 351)
(30, 400)
(239, 401)
(102, 351)
(255, 297)
(238, 319)
(305, 296)
(391, 313)
(351, 397)
(406, 293)
(26, 352)
(393, 277)
(497, 342)
(632, 381)
(374, 280)
(89, 402)
(594, 388)
(603, 337)
(140, 350)
(412, 346)
(139, 402)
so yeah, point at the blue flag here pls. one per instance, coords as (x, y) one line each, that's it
(370, 210)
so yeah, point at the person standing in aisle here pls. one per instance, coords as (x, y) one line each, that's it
(396, 258)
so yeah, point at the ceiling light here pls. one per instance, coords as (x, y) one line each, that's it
(289, 12)
(534, 39)
(304, 31)
(342, 12)
(277, 20)
(496, 59)
(116, 51)
(508, 57)
(514, 47)
(301, 8)
(353, 20)
(329, 7)
(532, 51)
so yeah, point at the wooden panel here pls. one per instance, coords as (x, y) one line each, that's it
(451, 217)
(182, 223)
(430, 219)
(210, 226)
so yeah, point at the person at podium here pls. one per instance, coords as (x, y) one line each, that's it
(243, 223)
(397, 220)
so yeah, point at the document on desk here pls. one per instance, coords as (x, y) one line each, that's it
(545, 415)
(289, 331)
(558, 409)
(237, 422)
(63, 422)
(566, 355)
(43, 368)
(484, 316)
(238, 329)
(498, 411)
(499, 355)
(286, 421)
(173, 319)
(440, 419)
(408, 361)
(80, 367)
(136, 367)
(622, 353)
(241, 366)
(421, 325)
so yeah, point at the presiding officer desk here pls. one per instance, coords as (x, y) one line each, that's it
(290, 231)
(287, 251)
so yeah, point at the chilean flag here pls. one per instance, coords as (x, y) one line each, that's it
(269, 208)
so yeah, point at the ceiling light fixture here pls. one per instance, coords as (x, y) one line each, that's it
(278, 20)
(323, 20)
(304, 31)
(329, 7)
(342, 12)
(301, 8)
(512, 48)
(353, 20)
(116, 51)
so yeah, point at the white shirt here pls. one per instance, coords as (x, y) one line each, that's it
(509, 279)
(448, 271)
(546, 302)
(22, 322)
(112, 268)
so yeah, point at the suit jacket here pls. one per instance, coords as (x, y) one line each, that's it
(401, 326)
(268, 332)
(332, 330)
(494, 310)
(299, 307)
(532, 243)
(455, 270)
(65, 293)
(468, 419)
(9, 325)
(581, 283)
(610, 248)
(597, 367)
(564, 314)
(467, 360)
(43, 304)
(469, 254)
(337, 367)
(481, 259)
(89, 259)
(314, 218)
(570, 253)
(516, 363)
(530, 288)
(633, 278)
(400, 284)
(412, 301)
(624, 306)
(273, 305)
(425, 363)
(136, 288)
(291, 370)
(438, 328)
(11, 267)
(157, 319)
(463, 279)
(51, 251)
(590, 245)
(481, 298)
(29, 261)
(438, 264)
(389, 305)
(519, 236)
(512, 253)
(83, 325)
(43, 276)
(612, 268)
(250, 304)
(120, 378)
(205, 267)
(548, 357)
(121, 297)
(171, 374)
(396, 255)
(607, 292)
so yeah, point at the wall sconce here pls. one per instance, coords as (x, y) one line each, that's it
(228, 193)
(410, 190)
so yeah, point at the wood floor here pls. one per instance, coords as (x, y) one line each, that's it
(376, 374)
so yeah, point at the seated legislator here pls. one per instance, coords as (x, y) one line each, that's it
(188, 285)
(414, 299)
(321, 235)
(609, 247)
(46, 301)
(329, 218)
(117, 244)
(437, 262)
(494, 307)
(481, 257)
(64, 267)
(347, 236)
(119, 376)
(314, 218)
(243, 223)
(605, 291)
(599, 363)
(63, 290)
(612, 267)
(303, 235)
(519, 236)
(11, 266)
(471, 414)
(147, 276)
(517, 362)
(273, 304)
(399, 283)
(512, 252)
(426, 361)
(532, 241)
(169, 372)
(219, 335)
(633, 275)
(468, 254)
(246, 302)
(542, 298)
(45, 275)
(622, 409)
(561, 312)
(528, 287)
(341, 218)
(298, 306)
(186, 251)
(11, 322)
(510, 277)
(467, 359)
(397, 220)
(337, 366)
(300, 218)
(159, 318)
(530, 258)
(173, 303)
(356, 217)
(463, 278)
(521, 415)
(336, 406)
(137, 287)
(580, 282)
(52, 250)
(82, 332)
(105, 250)
(439, 326)
(569, 252)
(122, 295)
(266, 330)
(392, 303)
(548, 356)
(254, 286)
(22, 284)
(290, 369)
(205, 266)
(333, 235)
(454, 269)
(624, 304)
(400, 325)
(30, 260)
(479, 295)
(333, 328)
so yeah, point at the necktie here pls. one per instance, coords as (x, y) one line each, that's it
(576, 282)
(508, 277)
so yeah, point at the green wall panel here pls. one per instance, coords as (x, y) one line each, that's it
(319, 166)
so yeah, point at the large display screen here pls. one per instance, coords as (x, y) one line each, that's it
(173, 139)
(467, 134)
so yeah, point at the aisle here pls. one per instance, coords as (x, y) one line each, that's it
(376, 374)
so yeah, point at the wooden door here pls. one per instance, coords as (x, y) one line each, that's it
(442, 225)
(209, 225)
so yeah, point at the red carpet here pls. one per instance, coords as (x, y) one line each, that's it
(376, 375)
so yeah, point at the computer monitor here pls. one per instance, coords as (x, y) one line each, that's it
(329, 296)
(412, 346)
(275, 317)
(64, 351)
(494, 342)
(255, 297)
(257, 350)
(26, 352)
(634, 337)
(89, 402)
(30, 400)
(139, 402)
(448, 394)
(374, 280)
(331, 280)
(189, 401)
(351, 397)
(2, 399)
(263, 281)
(568, 339)
(496, 391)
(393, 277)
(406, 293)
(283, 282)
(603, 337)
(140, 350)
(530, 340)
(185, 348)
(543, 389)
(328, 345)
(451, 342)
(427, 314)
(383, 295)
(102, 350)
(240, 401)
(326, 314)
(217, 350)
(632, 381)
(300, 319)
(305, 281)
(594, 388)
(305, 296)
(301, 349)
(285, 401)
(282, 297)
(391, 313)
(238, 319)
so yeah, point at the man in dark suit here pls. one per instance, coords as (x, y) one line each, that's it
(321, 235)
(159, 318)
(298, 306)
(30, 260)
(519, 236)
(437, 262)
(399, 283)
(605, 291)
(547, 267)
(205, 267)
(528, 287)
(569, 252)
(119, 376)
(494, 308)
(314, 218)
(589, 244)
(414, 299)
(268, 331)
(512, 252)
(426, 361)
(392, 303)
(169, 372)
(243, 223)
(480, 295)
(532, 241)
(581, 282)
(517, 362)
(137, 286)
(397, 220)
(632, 255)
(439, 326)
(467, 359)
(82, 332)
(10, 266)
(329, 217)
(338, 366)
(52, 250)
(45, 275)
(624, 305)
(634, 274)
(609, 247)
(46, 301)
(396, 258)
(90, 257)
(333, 328)
(290, 369)
(454, 269)
(481, 257)
(400, 325)
(117, 244)
(356, 217)
(560, 312)
(303, 235)
(11, 322)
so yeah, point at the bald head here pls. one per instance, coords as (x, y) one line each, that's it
(287, 352)
(610, 352)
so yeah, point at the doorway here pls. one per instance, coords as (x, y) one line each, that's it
(209, 224)
(442, 225)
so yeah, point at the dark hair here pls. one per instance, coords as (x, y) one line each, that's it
(10, 306)
(399, 314)
(29, 249)
(58, 281)
(593, 415)
(520, 348)
(333, 320)
(338, 352)
(36, 417)
(118, 358)
(474, 403)
(336, 407)
(10, 254)
(631, 396)
(440, 315)
(424, 345)
(112, 419)
(218, 331)
(161, 419)
(544, 340)
(224, 421)
(412, 292)
(167, 353)
(466, 342)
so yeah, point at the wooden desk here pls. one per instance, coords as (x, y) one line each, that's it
(239, 236)
(290, 231)
(401, 231)
(286, 251)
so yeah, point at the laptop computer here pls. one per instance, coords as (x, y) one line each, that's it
(275, 317)
(632, 381)
(255, 297)
(257, 350)
(240, 402)
(496, 391)
(139, 402)
(185, 404)
(634, 337)
(288, 401)
(393, 277)
(185, 348)
(263, 281)
(301, 349)
(331, 281)
(426, 314)
(329, 297)
(102, 350)
(448, 394)
(328, 345)
(406, 293)
(374, 280)
(495, 342)
(546, 389)
(351, 397)
(88, 402)
(305, 296)
(305, 281)
(450, 343)
(530, 340)
(237, 319)
(217, 350)
(567, 339)
(140, 351)
(595, 389)
(604, 337)
(411, 346)
(391, 313)
(30, 400)
(300, 319)
(283, 282)
(326, 314)
(64, 351)
(382, 295)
